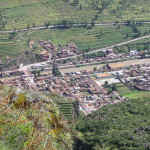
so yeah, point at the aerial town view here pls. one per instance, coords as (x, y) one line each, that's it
(75, 75)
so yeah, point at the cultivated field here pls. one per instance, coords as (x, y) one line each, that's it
(17, 14)
(125, 91)
(143, 44)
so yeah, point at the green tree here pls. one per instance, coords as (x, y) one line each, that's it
(33, 24)
(94, 69)
(92, 24)
(75, 2)
(96, 17)
(127, 35)
(81, 7)
(28, 26)
(46, 24)
(100, 34)
(55, 70)
(114, 87)
(2, 20)
(128, 23)
(118, 26)
(106, 84)
(38, 73)
(1, 68)
(66, 23)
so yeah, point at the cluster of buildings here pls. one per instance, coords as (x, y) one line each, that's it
(47, 50)
(137, 77)
(48, 45)
(86, 87)
(105, 55)
(11, 73)
(78, 86)
(7, 60)
(66, 51)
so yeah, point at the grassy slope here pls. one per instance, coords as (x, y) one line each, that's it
(20, 13)
(27, 125)
(138, 45)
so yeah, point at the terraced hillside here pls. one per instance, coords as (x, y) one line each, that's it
(138, 45)
(69, 109)
(26, 13)
(12, 44)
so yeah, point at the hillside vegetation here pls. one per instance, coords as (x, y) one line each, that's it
(26, 13)
(137, 45)
(19, 14)
(31, 122)
(123, 126)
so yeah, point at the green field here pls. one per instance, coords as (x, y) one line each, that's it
(125, 91)
(22, 13)
(11, 47)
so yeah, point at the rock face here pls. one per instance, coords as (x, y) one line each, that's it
(31, 122)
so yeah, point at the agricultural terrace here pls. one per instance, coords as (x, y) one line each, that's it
(67, 109)
(143, 44)
(18, 14)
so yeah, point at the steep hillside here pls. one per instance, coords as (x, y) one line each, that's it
(25, 13)
(123, 126)
(31, 122)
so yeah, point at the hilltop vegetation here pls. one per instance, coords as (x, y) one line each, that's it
(122, 126)
(29, 121)
(17, 14)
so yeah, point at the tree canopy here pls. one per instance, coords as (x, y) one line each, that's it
(122, 126)
(55, 71)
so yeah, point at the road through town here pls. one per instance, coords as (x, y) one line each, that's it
(90, 67)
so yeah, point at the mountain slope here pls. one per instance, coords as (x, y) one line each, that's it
(29, 122)
(122, 126)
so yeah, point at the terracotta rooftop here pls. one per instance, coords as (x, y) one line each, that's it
(44, 52)
(116, 66)
(103, 75)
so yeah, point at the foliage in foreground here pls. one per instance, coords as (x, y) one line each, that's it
(31, 122)
(123, 126)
